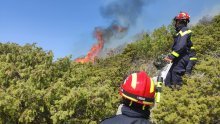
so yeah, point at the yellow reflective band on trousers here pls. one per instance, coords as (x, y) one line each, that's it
(175, 54)
(193, 59)
(192, 48)
(185, 32)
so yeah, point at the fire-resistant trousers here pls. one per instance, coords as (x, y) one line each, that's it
(177, 70)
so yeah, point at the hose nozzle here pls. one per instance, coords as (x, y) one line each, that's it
(158, 88)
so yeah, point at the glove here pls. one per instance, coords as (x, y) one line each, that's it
(167, 59)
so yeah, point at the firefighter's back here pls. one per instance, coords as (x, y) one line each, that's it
(124, 119)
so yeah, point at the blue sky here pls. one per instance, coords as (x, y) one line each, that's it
(66, 26)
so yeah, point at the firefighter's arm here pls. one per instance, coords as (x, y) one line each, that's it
(193, 54)
(181, 44)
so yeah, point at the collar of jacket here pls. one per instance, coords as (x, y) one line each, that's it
(135, 113)
(179, 28)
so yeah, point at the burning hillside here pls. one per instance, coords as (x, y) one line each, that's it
(103, 36)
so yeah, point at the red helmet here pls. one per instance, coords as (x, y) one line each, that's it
(138, 87)
(183, 16)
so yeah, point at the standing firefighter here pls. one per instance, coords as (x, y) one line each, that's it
(138, 95)
(181, 52)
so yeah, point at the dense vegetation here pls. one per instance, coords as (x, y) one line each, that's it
(36, 89)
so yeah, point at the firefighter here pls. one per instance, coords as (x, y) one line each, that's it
(138, 95)
(180, 51)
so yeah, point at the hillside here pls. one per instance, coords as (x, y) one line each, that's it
(36, 89)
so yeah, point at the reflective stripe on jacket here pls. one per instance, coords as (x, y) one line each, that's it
(181, 43)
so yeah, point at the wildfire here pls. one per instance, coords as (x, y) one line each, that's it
(94, 50)
(97, 48)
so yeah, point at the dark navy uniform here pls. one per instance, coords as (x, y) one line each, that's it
(129, 116)
(179, 56)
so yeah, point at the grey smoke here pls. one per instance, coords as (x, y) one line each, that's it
(112, 32)
(125, 12)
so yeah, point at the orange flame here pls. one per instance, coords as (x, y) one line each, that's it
(95, 50)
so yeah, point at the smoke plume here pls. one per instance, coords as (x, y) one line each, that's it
(122, 14)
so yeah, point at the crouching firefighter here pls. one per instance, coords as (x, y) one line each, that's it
(180, 51)
(138, 95)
